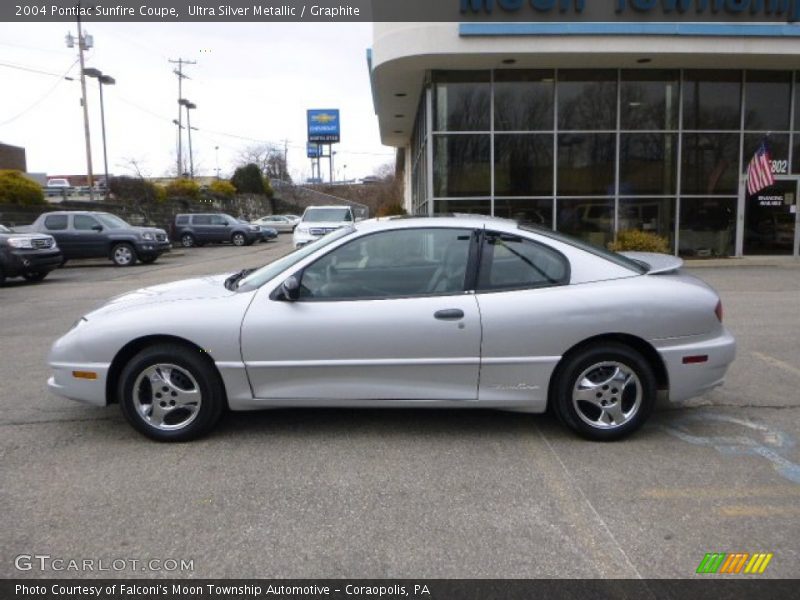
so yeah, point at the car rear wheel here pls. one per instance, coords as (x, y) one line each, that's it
(238, 239)
(604, 392)
(171, 393)
(187, 240)
(123, 255)
(37, 276)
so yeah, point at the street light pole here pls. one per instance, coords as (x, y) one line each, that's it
(189, 107)
(101, 81)
(216, 152)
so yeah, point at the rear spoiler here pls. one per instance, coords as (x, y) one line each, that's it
(654, 262)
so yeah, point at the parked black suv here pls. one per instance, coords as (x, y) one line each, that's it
(198, 229)
(86, 234)
(28, 255)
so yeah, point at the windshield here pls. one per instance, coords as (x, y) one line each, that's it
(4, 229)
(614, 257)
(273, 269)
(321, 215)
(112, 221)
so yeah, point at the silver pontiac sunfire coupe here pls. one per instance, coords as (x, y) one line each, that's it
(459, 311)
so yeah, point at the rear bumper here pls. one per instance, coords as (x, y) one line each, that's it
(688, 380)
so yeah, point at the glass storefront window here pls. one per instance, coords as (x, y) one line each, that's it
(707, 227)
(523, 100)
(523, 164)
(534, 211)
(462, 101)
(711, 99)
(655, 215)
(482, 207)
(461, 165)
(590, 219)
(767, 100)
(778, 146)
(710, 163)
(586, 164)
(649, 99)
(587, 99)
(648, 163)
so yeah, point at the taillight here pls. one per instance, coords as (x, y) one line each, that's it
(718, 310)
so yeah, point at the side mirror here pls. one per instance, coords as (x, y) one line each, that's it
(97, 228)
(291, 289)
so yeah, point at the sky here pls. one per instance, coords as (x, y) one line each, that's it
(252, 85)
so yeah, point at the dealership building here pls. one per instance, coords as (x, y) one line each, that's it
(593, 127)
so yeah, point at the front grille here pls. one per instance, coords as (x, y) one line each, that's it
(321, 230)
(39, 243)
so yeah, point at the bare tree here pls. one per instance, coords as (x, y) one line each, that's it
(270, 159)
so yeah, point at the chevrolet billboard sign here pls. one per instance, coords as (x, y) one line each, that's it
(323, 126)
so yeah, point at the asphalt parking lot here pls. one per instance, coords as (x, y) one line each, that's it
(424, 494)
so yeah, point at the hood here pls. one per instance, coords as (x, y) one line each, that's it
(26, 236)
(198, 288)
(655, 262)
(147, 230)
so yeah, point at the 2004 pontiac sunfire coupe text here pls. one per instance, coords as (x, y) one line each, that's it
(460, 311)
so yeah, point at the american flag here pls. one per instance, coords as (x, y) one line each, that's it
(759, 171)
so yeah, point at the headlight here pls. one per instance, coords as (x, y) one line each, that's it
(255, 228)
(20, 242)
(148, 236)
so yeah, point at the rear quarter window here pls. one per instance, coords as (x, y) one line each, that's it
(55, 222)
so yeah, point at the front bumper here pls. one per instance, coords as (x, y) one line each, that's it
(64, 382)
(19, 261)
(688, 380)
(147, 247)
(300, 238)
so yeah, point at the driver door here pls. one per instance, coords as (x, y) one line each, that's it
(383, 317)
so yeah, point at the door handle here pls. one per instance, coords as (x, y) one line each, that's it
(449, 314)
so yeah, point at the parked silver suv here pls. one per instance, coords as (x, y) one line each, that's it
(320, 220)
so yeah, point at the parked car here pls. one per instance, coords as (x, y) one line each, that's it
(89, 234)
(280, 223)
(408, 312)
(320, 220)
(204, 228)
(58, 186)
(265, 233)
(28, 255)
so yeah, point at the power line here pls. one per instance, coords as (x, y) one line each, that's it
(43, 98)
(32, 70)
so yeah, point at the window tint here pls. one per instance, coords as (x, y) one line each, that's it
(84, 222)
(202, 219)
(391, 264)
(512, 262)
(56, 222)
(182, 220)
(218, 220)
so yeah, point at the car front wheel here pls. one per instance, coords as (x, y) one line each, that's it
(605, 392)
(170, 393)
(123, 255)
(238, 239)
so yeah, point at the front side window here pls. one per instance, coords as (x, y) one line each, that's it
(391, 264)
(512, 262)
(85, 223)
(56, 222)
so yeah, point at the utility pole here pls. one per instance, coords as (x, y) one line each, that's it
(179, 72)
(285, 159)
(84, 43)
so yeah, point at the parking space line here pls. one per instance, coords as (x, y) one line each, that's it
(771, 360)
(703, 493)
(759, 511)
(602, 559)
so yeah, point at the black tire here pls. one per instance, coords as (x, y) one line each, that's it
(191, 361)
(123, 255)
(148, 260)
(187, 240)
(587, 364)
(34, 277)
(238, 239)
(63, 262)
